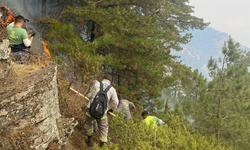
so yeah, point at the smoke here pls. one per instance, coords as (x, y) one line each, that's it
(31, 10)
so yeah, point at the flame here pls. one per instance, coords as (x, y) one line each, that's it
(41, 62)
(10, 19)
(46, 50)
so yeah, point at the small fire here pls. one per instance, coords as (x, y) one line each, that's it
(46, 50)
(41, 63)
(10, 19)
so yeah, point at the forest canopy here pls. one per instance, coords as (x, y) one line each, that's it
(130, 39)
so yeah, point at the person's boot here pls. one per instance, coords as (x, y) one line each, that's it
(90, 141)
(101, 144)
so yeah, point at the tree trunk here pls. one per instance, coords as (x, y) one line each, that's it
(219, 102)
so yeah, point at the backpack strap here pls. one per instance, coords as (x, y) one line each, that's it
(106, 90)
(101, 86)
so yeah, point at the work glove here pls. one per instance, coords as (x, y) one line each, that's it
(110, 110)
(33, 34)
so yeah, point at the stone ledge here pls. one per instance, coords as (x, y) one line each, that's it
(5, 61)
(32, 103)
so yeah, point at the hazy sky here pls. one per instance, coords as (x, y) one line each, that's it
(230, 16)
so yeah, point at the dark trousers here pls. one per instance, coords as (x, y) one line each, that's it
(20, 53)
(21, 56)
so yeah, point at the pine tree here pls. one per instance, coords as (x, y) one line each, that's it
(223, 111)
(189, 86)
(194, 88)
(131, 39)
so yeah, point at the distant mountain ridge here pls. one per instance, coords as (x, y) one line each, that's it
(205, 43)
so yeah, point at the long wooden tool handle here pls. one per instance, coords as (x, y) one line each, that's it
(79, 93)
(87, 98)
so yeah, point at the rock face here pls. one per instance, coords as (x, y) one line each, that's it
(3, 32)
(29, 110)
(4, 59)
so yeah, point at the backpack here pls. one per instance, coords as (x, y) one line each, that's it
(99, 104)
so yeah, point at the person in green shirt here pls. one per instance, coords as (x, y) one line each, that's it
(18, 38)
(151, 121)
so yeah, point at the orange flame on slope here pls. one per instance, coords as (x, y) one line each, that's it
(43, 64)
(46, 50)
(10, 19)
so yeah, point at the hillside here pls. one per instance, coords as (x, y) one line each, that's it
(38, 108)
(205, 43)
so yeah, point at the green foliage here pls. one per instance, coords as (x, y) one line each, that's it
(64, 43)
(133, 134)
(189, 86)
(221, 108)
(133, 37)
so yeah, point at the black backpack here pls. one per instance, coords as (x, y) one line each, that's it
(99, 104)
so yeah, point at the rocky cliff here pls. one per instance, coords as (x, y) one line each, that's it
(29, 108)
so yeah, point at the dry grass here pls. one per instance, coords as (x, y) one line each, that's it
(15, 139)
(77, 141)
(23, 70)
(53, 146)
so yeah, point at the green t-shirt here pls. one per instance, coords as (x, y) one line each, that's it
(16, 35)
